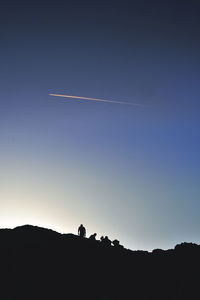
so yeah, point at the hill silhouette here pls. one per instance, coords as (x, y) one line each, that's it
(38, 263)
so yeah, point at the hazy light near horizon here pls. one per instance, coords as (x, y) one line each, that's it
(96, 99)
(20, 218)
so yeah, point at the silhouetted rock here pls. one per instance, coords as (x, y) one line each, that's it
(38, 263)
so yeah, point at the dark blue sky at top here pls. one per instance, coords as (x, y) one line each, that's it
(145, 161)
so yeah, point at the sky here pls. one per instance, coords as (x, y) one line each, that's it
(129, 172)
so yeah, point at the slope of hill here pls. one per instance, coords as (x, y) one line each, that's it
(38, 263)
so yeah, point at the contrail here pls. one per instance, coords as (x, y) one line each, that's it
(95, 99)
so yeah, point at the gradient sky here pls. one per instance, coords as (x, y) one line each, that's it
(132, 173)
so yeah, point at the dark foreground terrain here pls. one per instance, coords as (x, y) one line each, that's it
(38, 263)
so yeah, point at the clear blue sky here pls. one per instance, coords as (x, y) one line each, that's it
(131, 173)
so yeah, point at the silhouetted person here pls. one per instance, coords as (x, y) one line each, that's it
(105, 241)
(115, 243)
(93, 237)
(102, 238)
(81, 231)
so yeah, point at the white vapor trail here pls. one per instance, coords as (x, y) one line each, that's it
(95, 99)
